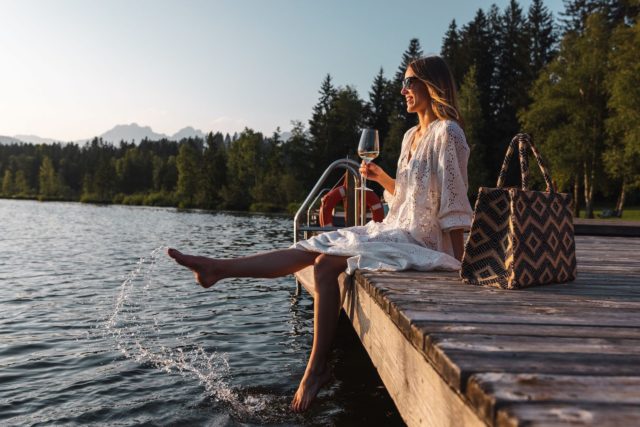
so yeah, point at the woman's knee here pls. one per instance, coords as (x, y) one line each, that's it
(327, 268)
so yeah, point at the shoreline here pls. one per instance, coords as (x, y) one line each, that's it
(283, 212)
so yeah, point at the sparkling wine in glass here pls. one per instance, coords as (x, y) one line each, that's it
(368, 149)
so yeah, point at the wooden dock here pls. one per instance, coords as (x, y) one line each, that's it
(452, 354)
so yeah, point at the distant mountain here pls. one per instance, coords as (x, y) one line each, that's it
(34, 139)
(187, 132)
(9, 140)
(135, 132)
(131, 132)
(285, 136)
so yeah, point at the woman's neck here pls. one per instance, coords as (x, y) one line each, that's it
(425, 118)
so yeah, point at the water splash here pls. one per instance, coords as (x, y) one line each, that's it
(139, 335)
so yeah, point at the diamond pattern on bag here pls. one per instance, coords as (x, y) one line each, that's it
(556, 207)
(553, 242)
(538, 207)
(520, 238)
(533, 243)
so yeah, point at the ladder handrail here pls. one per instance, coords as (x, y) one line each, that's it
(348, 164)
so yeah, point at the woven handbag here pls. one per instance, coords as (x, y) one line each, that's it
(520, 237)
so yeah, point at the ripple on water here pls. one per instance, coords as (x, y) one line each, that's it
(81, 345)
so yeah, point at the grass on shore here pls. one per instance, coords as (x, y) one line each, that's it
(630, 213)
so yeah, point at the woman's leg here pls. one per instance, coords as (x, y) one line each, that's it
(278, 263)
(267, 264)
(327, 268)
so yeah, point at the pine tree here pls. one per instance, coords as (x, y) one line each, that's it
(542, 37)
(47, 179)
(242, 170)
(379, 106)
(512, 72)
(295, 157)
(215, 170)
(452, 53)
(266, 193)
(413, 52)
(615, 12)
(347, 120)
(21, 186)
(135, 170)
(7, 183)
(189, 164)
(479, 49)
(158, 172)
(471, 111)
(320, 128)
(104, 179)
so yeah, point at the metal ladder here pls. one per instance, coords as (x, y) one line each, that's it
(318, 190)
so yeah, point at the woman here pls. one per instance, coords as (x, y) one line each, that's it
(429, 211)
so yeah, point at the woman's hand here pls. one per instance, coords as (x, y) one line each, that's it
(372, 172)
(375, 173)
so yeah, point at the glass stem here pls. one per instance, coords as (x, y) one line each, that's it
(363, 204)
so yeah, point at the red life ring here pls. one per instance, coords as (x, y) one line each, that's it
(331, 199)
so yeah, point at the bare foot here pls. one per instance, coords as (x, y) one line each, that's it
(204, 269)
(308, 389)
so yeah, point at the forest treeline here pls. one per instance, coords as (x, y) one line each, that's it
(573, 82)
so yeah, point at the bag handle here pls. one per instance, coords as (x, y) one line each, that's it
(524, 140)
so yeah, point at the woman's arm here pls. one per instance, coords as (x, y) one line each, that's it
(457, 242)
(375, 173)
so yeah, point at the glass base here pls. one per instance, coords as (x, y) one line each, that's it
(365, 188)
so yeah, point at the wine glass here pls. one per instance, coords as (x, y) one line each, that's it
(368, 149)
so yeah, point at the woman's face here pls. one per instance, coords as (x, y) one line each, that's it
(415, 93)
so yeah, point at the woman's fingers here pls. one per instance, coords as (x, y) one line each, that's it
(363, 169)
(370, 171)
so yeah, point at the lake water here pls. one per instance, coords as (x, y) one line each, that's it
(98, 326)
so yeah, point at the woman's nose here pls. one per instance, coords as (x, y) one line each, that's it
(404, 91)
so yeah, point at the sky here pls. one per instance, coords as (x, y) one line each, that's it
(73, 69)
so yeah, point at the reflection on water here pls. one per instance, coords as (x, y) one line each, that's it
(98, 327)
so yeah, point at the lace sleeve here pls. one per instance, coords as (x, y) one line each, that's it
(453, 155)
(388, 198)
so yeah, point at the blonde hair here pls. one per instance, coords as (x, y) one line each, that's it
(434, 72)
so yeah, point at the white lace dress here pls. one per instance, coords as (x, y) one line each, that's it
(430, 200)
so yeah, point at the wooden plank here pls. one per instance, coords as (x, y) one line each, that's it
(543, 314)
(489, 391)
(570, 293)
(582, 297)
(452, 317)
(584, 278)
(457, 366)
(423, 398)
(533, 344)
(533, 330)
(559, 414)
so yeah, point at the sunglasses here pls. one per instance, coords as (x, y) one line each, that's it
(408, 82)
